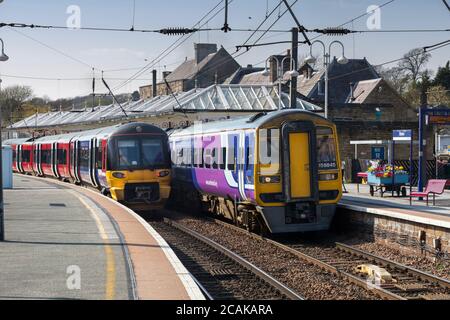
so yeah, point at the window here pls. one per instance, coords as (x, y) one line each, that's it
(84, 154)
(208, 160)
(26, 156)
(326, 149)
(224, 157)
(128, 153)
(62, 156)
(139, 153)
(215, 159)
(99, 157)
(46, 156)
(199, 158)
(14, 154)
(152, 152)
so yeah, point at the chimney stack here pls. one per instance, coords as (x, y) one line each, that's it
(154, 91)
(202, 50)
(274, 66)
(352, 93)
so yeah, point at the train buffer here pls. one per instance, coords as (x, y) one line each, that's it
(67, 242)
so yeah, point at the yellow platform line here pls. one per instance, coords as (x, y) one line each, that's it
(110, 282)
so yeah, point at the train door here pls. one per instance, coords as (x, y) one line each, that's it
(241, 164)
(54, 159)
(93, 162)
(35, 159)
(19, 158)
(74, 162)
(249, 184)
(299, 161)
(101, 162)
(39, 157)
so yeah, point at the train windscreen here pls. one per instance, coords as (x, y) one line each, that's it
(139, 153)
(326, 149)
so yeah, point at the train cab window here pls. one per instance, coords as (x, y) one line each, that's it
(152, 152)
(128, 153)
(62, 156)
(14, 155)
(326, 149)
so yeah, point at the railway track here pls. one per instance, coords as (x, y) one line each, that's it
(221, 273)
(407, 283)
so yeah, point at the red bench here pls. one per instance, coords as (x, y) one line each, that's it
(363, 176)
(433, 186)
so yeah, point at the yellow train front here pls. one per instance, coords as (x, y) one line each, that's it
(279, 171)
(131, 162)
(298, 176)
(138, 166)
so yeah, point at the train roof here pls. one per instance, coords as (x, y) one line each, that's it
(17, 141)
(105, 132)
(242, 123)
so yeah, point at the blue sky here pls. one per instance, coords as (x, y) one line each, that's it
(110, 50)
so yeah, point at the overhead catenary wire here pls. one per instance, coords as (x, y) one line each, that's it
(55, 50)
(424, 49)
(174, 45)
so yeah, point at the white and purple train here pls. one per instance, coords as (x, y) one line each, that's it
(277, 172)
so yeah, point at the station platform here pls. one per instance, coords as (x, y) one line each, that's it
(68, 242)
(398, 207)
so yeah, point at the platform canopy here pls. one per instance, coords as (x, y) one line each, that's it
(217, 98)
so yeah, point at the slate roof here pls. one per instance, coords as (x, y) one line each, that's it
(341, 76)
(362, 90)
(189, 69)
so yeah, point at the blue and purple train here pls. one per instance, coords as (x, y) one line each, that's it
(278, 172)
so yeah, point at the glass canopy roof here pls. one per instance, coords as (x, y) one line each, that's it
(215, 98)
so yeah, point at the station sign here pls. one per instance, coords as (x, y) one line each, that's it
(377, 153)
(402, 135)
(439, 119)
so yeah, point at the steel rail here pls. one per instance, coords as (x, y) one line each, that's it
(243, 262)
(413, 271)
(383, 293)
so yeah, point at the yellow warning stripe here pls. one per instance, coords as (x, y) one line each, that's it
(110, 282)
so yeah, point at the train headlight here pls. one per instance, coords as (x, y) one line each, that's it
(269, 179)
(163, 173)
(118, 175)
(328, 176)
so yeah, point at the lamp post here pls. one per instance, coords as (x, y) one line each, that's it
(326, 62)
(3, 57)
(280, 69)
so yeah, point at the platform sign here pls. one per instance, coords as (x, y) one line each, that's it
(377, 153)
(402, 135)
(439, 119)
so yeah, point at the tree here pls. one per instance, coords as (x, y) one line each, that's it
(437, 95)
(11, 101)
(413, 62)
(443, 76)
(135, 96)
(396, 77)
